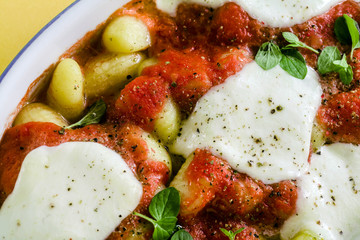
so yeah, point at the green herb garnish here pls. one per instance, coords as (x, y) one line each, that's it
(164, 208)
(293, 63)
(96, 112)
(347, 32)
(326, 59)
(295, 42)
(330, 60)
(268, 56)
(181, 235)
(344, 69)
(230, 234)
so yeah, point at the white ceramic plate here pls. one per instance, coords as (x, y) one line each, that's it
(45, 49)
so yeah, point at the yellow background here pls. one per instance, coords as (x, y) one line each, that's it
(20, 20)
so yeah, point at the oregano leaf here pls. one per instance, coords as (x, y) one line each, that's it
(294, 63)
(268, 56)
(327, 57)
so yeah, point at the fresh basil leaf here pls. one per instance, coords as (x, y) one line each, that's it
(347, 32)
(230, 234)
(341, 31)
(167, 223)
(327, 57)
(357, 45)
(268, 56)
(164, 207)
(94, 115)
(344, 69)
(160, 233)
(165, 204)
(182, 235)
(346, 75)
(354, 33)
(295, 42)
(293, 63)
(341, 63)
(164, 228)
(290, 37)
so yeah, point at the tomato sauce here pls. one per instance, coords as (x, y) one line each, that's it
(340, 116)
(141, 100)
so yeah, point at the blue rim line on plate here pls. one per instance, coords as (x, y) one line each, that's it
(7, 69)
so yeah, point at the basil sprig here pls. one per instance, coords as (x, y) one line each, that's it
(295, 42)
(270, 55)
(347, 32)
(94, 115)
(230, 234)
(330, 60)
(164, 208)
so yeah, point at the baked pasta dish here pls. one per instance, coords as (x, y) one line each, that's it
(193, 119)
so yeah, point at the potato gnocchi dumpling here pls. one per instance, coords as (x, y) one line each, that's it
(146, 63)
(66, 91)
(305, 235)
(156, 150)
(39, 112)
(126, 34)
(180, 182)
(318, 138)
(167, 123)
(107, 73)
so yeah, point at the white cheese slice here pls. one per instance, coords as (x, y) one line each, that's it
(273, 13)
(259, 121)
(329, 195)
(77, 190)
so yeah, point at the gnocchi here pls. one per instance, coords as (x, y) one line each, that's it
(167, 123)
(109, 72)
(66, 90)
(156, 151)
(318, 138)
(126, 34)
(39, 112)
(305, 235)
(181, 183)
(146, 63)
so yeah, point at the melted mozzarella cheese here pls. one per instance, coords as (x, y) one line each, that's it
(77, 190)
(329, 195)
(259, 121)
(273, 13)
